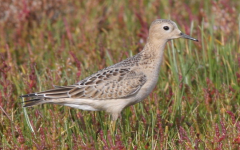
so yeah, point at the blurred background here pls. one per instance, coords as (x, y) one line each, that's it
(59, 42)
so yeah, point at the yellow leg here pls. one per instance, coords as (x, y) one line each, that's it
(113, 121)
(113, 125)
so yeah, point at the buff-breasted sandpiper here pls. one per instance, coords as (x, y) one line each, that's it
(118, 86)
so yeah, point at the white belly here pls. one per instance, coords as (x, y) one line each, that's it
(82, 107)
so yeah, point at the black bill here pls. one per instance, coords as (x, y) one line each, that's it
(187, 37)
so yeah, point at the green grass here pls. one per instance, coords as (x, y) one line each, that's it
(195, 104)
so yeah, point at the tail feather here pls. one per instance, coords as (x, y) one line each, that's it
(48, 96)
(53, 93)
(29, 95)
(32, 102)
(69, 87)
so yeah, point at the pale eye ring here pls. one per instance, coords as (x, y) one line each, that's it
(166, 28)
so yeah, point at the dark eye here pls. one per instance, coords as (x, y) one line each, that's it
(166, 28)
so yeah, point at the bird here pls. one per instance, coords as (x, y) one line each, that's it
(116, 87)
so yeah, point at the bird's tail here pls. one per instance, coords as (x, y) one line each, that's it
(33, 102)
(49, 96)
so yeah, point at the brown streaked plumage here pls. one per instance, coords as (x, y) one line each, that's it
(118, 86)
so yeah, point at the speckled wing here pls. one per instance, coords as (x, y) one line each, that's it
(103, 85)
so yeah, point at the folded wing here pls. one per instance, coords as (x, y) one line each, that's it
(103, 85)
